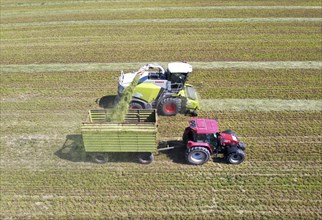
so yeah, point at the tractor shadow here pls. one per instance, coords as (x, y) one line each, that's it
(219, 160)
(108, 101)
(73, 150)
(177, 154)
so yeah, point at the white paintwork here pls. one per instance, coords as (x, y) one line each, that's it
(179, 67)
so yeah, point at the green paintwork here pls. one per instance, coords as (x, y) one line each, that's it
(137, 134)
(191, 95)
(147, 91)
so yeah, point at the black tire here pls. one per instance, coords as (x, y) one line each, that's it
(185, 139)
(145, 158)
(135, 105)
(235, 156)
(187, 135)
(197, 155)
(100, 157)
(169, 106)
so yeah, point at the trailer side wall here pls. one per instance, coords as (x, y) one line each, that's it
(138, 134)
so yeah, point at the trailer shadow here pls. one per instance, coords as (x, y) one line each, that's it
(73, 150)
(106, 101)
(177, 154)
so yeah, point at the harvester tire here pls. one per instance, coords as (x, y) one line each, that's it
(197, 155)
(235, 156)
(169, 106)
(100, 157)
(135, 105)
(145, 158)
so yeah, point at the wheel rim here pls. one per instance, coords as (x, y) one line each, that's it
(170, 108)
(235, 158)
(100, 158)
(145, 158)
(198, 157)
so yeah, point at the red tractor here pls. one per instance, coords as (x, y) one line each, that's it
(203, 139)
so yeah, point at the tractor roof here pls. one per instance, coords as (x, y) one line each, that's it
(179, 67)
(204, 125)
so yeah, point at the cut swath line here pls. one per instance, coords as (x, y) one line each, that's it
(170, 20)
(27, 13)
(261, 105)
(75, 67)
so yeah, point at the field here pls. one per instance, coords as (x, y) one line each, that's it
(257, 68)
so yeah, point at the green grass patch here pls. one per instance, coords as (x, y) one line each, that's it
(45, 173)
(258, 83)
(119, 43)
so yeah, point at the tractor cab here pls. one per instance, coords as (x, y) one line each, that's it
(202, 130)
(202, 139)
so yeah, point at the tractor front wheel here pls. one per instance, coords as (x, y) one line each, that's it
(197, 155)
(169, 106)
(236, 157)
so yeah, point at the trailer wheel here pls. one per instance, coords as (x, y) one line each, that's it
(145, 158)
(197, 155)
(100, 157)
(236, 157)
(169, 106)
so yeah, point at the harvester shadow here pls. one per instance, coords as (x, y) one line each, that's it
(177, 154)
(108, 101)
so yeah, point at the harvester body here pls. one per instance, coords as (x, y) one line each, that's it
(164, 90)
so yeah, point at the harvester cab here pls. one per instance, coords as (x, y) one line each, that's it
(165, 90)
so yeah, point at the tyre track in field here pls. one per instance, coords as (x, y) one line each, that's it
(157, 21)
(75, 67)
(260, 105)
(52, 12)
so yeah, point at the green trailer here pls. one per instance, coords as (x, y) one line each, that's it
(137, 135)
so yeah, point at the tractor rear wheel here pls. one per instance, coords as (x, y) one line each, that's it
(146, 157)
(100, 157)
(169, 106)
(197, 155)
(236, 157)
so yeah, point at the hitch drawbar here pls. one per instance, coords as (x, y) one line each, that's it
(169, 145)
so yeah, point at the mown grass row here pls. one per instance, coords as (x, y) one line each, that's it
(187, 41)
(210, 84)
(89, 4)
(147, 14)
(192, 194)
